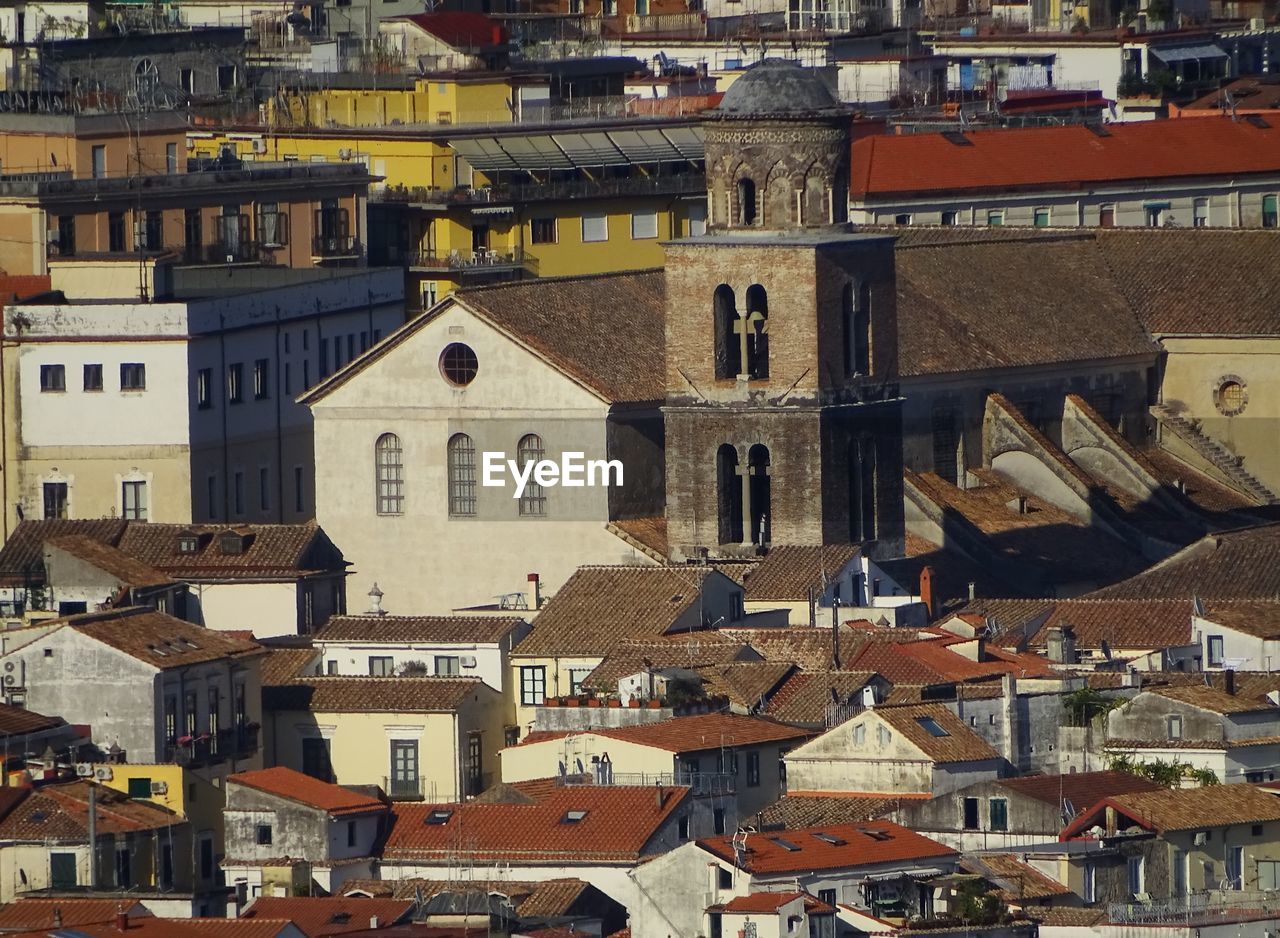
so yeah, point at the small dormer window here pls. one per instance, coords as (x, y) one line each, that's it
(573, 817)
(188, 543)
(231, 543)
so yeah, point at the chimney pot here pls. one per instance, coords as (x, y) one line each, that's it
(1229, 681)
(973, 591)
(927, 594)
(122, 920)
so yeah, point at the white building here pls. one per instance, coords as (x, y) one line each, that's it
(181, 409)
(1241, 636)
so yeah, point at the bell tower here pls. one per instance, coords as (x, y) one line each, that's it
(783, 423)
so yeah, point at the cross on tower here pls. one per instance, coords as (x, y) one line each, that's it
(750, 330)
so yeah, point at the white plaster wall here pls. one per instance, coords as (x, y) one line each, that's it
(352, 658)
(266, 608)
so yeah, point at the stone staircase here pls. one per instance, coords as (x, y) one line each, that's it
(1226, 462)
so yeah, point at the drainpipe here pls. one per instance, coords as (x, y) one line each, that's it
(279, 430)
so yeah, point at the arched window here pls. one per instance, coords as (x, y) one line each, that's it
(462, 475)
(746, 201)
(729, 494)
(388, 461)
(756, 347)
(728, 351)
(533, 501)
(760, 494)
(862, 489)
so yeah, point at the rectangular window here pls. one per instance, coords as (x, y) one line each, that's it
(1155, 215)
(299, 501)
(273, 225)
(595, 227)
(187, 78)
(53, 377)
(204, 388)
(683, 827)
(1178, 873)
(264, 835)
(971, 822)
(140, 786)
(99, 161)
(324, 357)
(226, 77)
(171, 156)
(213, 497)
(1090, 889)
(115, 232)
(902, 220)
(193, 233)
(1107, 216)
(404, 769)
(351, 833)
(133, 501)
(261, 379)
(1235, 867)
(542, 230)
(1041, 218)
(1215, 651)
(644, 225)
(1175, 727)
(447, 666)
(66, 235)
(151, 235)
(998, 811)
(381, 666)
(1200, 213)
(235, 383)
(1137, 876)
(315, 759)
(533, 685)
(697, 220)
(717, 821)
(1270, 211)
(576, 677)
(62, 870)
(949, 219)
(1268, 875)
(995, 217)
(753, 769)
(237, 489)
(264, 489)
(124, 874)
(133, 376)
(55, 500)
(288, 379)
(93, 377)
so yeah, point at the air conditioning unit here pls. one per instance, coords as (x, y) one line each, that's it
(259, 145)
(467, 661)
(84, 769)
(102, 773)
(1200, 839)
(344, 153)
(10, 680)
(8, 667)
(159, 788)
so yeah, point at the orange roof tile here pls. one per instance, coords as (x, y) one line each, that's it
(319, 916)
(1069, 157)
(689, 733)
(615, 826)
(760, 902)
(39, 913)
(837, 846)
(289, 783)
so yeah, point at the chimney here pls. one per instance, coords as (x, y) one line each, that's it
(926, 593)
(1061, 642)
(122, 919)
(373, 922)
(1229, 681)
(973, 591)
(57, 917)
(662, 795)
(535, 589)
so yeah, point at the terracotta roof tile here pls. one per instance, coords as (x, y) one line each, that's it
(372, 694)
(295, 786)
(958, 744)
(459, 29)
(621, 358)
(806, 696)
(760, 902)
(23, 553)
(616, 825)
(1183, 809)
(72, 911)
(684, 650)
(153, 927)
(1211, 745)
(271, 551)
(547, 899)
(17, 287)
(1010, 303)
(427, 629)
(1017, 881)
(282, 665)
(810, 648)
(803, 809)
(1240, 564)
(696, 733)
(1059, 157)
(747, 684)
(1259, 618)
(16, 721)
(318, 916)
(1214, 700)
(647, 533)
(127, 569)
(159, 639)
(788, 572)
(1082, 789)
(862, 844)
(60, 812)
(597, 607)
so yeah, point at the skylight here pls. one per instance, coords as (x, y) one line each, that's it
(573, 817)
(785, 844)
(829, 839)
(931, 726)
(875, 834)
(439, 816)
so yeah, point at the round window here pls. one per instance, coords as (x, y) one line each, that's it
(458, 364)
(1231, 397)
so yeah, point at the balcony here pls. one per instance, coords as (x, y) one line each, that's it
(335, 247)
(434, 197)
(701, 783)
(250, 177)
(1217, 906)
(236, 252)
(468, 262)
(403, 789)
(211, 749)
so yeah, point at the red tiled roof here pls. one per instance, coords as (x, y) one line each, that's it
(319, 916)
(689, 734)
(39, 913)
(1069, 157)
(150, 927)
(760, 902)
(61, 812)
(1081, 788)
(294, 785)
(616, 825)
(865, 844)
(459, 29)
(21, 286)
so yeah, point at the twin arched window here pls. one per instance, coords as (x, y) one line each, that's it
(744, 499)
(388, 460)
(741, 339)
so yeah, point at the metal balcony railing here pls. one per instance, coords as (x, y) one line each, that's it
(335, 246)
(470, 260)
(702, 783)
(399, 788)
(677, 184)
(1216, 905)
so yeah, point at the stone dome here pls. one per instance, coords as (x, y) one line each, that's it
(780, 88)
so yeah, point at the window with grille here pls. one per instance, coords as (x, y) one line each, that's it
(389, 462)
(533, 502)
(462, 475)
